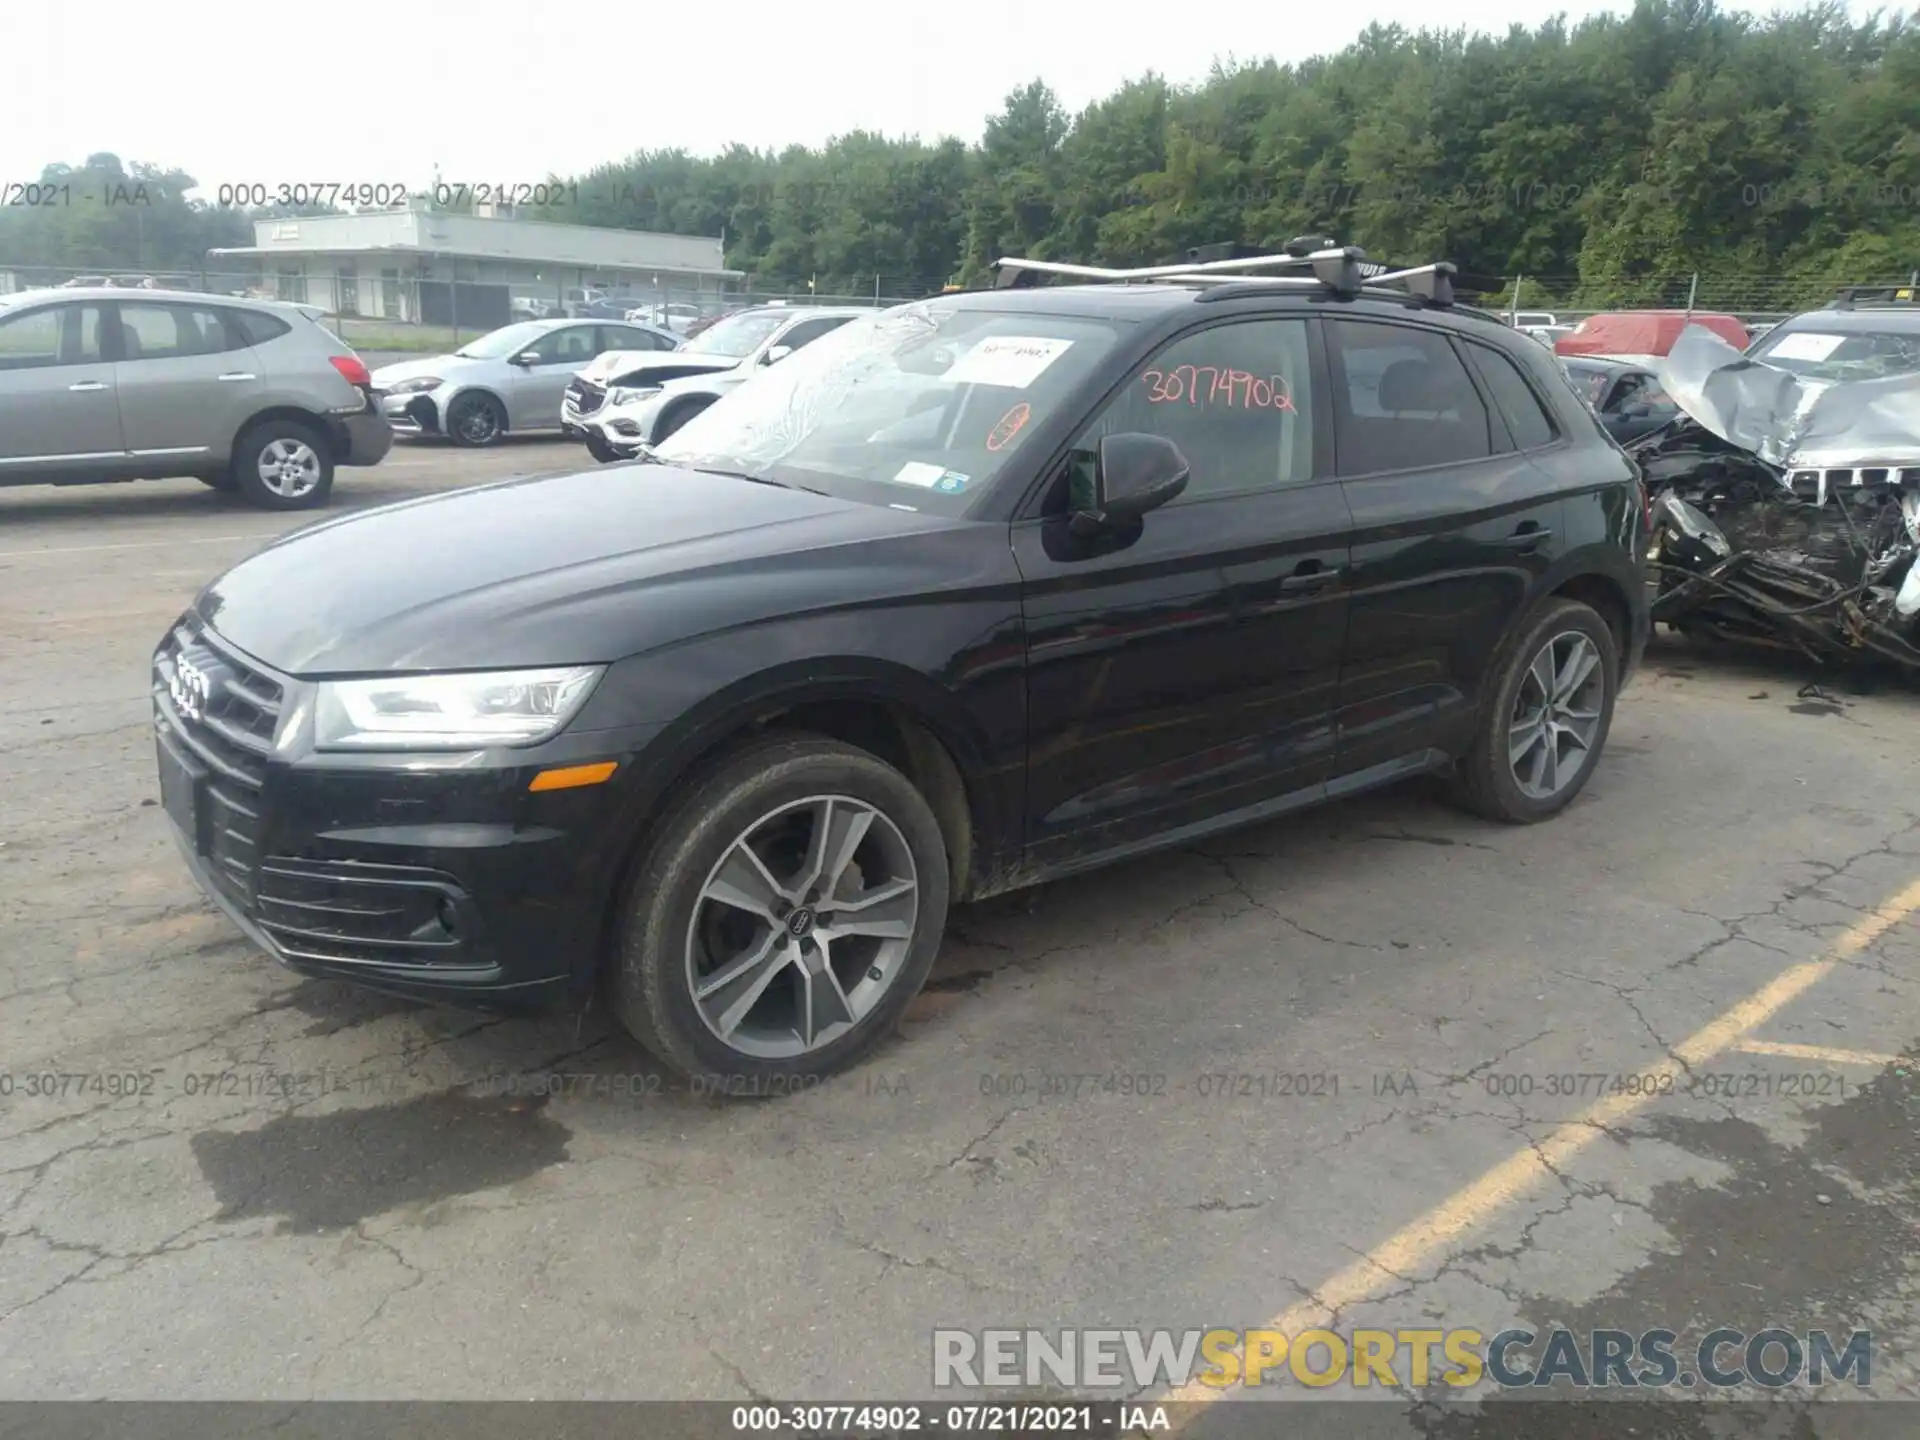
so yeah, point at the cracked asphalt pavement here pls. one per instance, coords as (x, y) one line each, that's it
(1287, 1045)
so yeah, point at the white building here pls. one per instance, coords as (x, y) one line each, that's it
(423, 266)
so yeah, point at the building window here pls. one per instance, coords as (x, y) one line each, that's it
(390, 306)
(291, 284)
(347, 293)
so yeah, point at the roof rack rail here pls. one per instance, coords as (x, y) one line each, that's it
(1853, 295)
(1312, 261)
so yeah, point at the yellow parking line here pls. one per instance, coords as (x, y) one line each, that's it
(1421, 1243)
(1823, 1054)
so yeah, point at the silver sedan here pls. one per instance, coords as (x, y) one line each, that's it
(507, 381)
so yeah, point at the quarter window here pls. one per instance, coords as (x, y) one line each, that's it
(255, 327)
(1236, 399)
(1402, 400)
(1527, 422)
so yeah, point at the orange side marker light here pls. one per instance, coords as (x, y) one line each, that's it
(572, 777)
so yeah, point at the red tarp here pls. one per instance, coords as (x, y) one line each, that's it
(1644, 332)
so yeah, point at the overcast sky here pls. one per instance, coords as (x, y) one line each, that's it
(505, 93)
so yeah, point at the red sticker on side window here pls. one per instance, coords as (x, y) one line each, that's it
(1008, 426)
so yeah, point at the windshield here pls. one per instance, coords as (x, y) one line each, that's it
(737, 336)
(508, 340)
(918, 407)
(1849, 355)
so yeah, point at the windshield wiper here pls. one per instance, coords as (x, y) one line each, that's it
(756, 479)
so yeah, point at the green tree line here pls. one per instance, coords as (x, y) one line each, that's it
(1600, 158)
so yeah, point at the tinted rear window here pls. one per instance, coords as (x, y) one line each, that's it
(256, 326)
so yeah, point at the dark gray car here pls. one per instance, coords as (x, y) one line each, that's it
(250, 396)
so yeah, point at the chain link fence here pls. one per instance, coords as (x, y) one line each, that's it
(1753, 298)
(394, 310)
(445, 304)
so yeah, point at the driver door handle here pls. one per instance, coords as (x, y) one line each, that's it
(1311, 575)
(88, 385)
(238, 375)
(1527, 538)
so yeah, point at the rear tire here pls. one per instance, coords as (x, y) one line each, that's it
(808, 998)
(282, 465)
(1546, 719)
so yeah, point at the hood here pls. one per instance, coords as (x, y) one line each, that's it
(440, 365)
(1789, 422)
(605, 367)
(567, 569)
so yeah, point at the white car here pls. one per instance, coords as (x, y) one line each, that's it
(677, 318)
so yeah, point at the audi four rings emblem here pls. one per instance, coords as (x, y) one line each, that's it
(189, 688)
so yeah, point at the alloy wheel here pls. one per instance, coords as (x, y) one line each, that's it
(478, 424)
(802, 927)
(1556, 715)
(289, 468)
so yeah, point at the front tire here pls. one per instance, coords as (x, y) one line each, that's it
(1547, 719)
(678, 416)
(787, 909)
(475, 421)
(282, 465)
(599, 449)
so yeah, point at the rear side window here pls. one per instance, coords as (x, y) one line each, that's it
(255, 327)
(1527, 420)
(169, 332)
(1402, 400)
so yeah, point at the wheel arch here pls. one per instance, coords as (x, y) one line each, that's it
(1604, 594)
(684, 406)
(499, 400)
(884, 708)
(269, 413)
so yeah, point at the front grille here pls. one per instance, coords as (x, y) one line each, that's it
(226, 730)
(1824, 484)
(586, 397)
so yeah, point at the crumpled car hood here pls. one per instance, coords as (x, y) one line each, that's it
(1787, 421)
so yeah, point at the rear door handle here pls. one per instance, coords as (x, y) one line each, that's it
(239, 375)
(88, 385)
(1317, 577)
(1526, 539)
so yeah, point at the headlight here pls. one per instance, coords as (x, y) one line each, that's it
(449, 712)
(413, 387)
(627, 394)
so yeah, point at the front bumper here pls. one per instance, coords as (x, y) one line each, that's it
(412, 414)
(439, 878)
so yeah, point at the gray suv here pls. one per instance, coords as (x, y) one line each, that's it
(245, 395)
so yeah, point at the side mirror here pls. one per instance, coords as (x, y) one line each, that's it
(777, 354)
(1135, 473)
(527, 358)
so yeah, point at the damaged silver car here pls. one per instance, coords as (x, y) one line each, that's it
(1786, 496)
